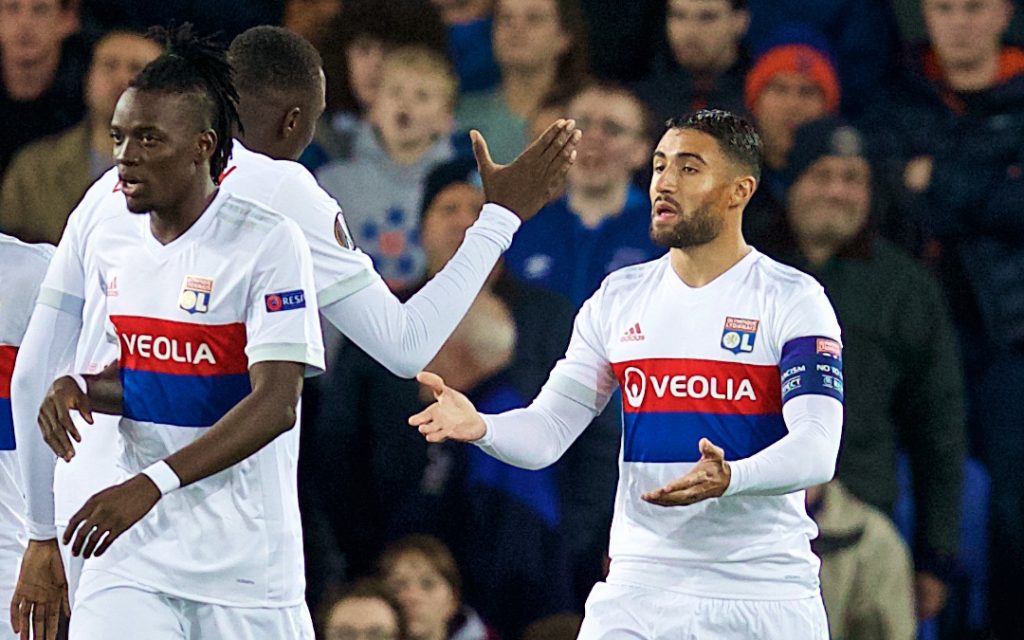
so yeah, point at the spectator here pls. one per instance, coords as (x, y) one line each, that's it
(367, 609)
(47, 178)
(601, 224)
(791, 82)
(362, 439)
(352, 64)
(861, 33)
(541, 48)
(704, 65)
(470, 24)
(225, 19)
(866, 576)
(903, 374)
(42, 68)
(407, 132)
(629, 34)
(312, 19)
(952, 129)
(423, 573)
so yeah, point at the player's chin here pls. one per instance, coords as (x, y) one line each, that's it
(137, 205)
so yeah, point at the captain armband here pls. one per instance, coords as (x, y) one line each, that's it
(812, 365)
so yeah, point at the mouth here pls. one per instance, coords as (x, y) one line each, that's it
(403, 119)
(664, 211)
(129, 186)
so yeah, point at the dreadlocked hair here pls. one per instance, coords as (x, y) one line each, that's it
(198, 65)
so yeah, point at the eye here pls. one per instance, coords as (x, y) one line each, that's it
(689, 169)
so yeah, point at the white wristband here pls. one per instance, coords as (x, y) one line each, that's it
(163, 477)
(80, 381)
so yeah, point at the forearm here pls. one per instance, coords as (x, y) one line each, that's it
(46, 351)
(251, 425)
(405, 337)
(804, 457)
(536, 436)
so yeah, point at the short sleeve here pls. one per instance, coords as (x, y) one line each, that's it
(585, 373)
(63, 288)
(282, 318)
(339, 269)
(810, 348)
(64, 285)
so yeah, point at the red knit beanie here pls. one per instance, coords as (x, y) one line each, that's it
(794, 58)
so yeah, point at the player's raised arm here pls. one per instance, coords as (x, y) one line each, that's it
(405, 337)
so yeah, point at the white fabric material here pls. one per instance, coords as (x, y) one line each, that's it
(191, 317)
(684, 378)
(804, 458)
(405, 337)
(351, 294)
(73, 566)
(22, 267)
(113, 607)
(163, 477)
(634, 612)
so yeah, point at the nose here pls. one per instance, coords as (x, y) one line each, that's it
(664, 182)
(126, 153)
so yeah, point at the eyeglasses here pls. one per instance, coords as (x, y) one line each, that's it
(609, 128)
(350, 633)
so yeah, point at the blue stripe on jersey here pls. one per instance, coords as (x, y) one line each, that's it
(811, 364)
(181, 401)
(673, 437)
(6, 425)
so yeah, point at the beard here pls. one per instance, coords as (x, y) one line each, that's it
(700, 227)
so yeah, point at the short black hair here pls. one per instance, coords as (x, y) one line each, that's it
(197, 65)
(737, 137)
(275, 59)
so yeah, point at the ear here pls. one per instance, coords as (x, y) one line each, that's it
(1007, 15)
(743, 189)
(68, 21)
(740, 23)
(290, 122)
(206, 144)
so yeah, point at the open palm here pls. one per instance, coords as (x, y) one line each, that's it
(451, 417)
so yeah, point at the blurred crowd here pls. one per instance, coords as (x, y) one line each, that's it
(894, 173)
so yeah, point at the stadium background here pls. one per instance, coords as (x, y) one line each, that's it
(947, 151)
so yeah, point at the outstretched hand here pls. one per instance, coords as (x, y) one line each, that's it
(451, 417)
(536, 176)
(709, 478)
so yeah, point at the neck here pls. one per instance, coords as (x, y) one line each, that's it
(816, 254)
(975, 76)
(28, 80)
(167, 225)
(593, 206)
(99, 138)
(774, 158)
(408, 154)
(700, 265)
(525, 88)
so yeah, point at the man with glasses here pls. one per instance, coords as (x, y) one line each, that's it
(601, 223)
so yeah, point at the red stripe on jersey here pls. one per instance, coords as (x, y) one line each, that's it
(225, 173)
(683, 385)
(7, 356)
(183, 348)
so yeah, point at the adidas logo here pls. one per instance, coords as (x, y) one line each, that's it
(633, 334)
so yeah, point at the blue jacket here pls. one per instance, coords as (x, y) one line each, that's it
(555, 251)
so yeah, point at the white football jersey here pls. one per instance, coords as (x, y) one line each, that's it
(22, 267)
(717, 362)
(191, 317)
(283, 186)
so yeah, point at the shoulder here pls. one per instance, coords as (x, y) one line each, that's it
(25, 257)
(101, 202)
(783, 282)
(626, 280)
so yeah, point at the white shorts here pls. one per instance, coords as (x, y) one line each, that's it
(629, 612)
(110, 606)
(72, 564)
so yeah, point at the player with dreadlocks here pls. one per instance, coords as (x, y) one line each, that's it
(206, 294)
(281, 86)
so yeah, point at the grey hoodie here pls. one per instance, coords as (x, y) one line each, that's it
(381, 201)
